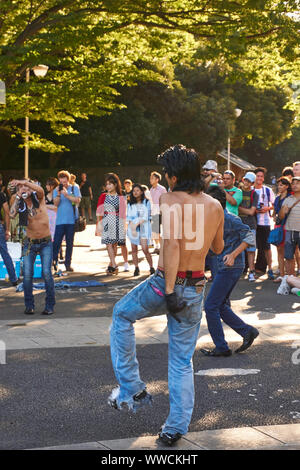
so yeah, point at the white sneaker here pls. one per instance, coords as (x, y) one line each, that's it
(126, 267)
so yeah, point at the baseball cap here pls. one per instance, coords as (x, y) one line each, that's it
(296, 178)
(210, 165)
(250, 176)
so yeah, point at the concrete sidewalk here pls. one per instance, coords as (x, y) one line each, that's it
(94, 331)
(281, 437)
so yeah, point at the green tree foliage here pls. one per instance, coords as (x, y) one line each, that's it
(195, 107)
(93, 47)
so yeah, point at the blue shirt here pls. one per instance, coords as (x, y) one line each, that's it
(235, 232)
(65, 211)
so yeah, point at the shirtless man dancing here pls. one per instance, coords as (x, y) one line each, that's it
(192, 222)
(29, 203)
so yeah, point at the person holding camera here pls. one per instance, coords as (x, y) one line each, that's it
(29, 203)
(210, 174)
(66, 198)
(266, 200)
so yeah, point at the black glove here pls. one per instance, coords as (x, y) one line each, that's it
(174, 305)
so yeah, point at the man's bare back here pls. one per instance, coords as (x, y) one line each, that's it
(200, 219)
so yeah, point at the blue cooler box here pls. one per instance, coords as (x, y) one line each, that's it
(3, 270)
(15, 251)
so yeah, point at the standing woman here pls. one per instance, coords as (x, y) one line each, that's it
(111, 220)
(139, 226)
(284, 190)
(51, 184)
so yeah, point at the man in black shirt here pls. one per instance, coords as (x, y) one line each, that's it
(87, 196)
(247, 212)
(4, 236)
(128, 188)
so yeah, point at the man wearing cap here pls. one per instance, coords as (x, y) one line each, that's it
(247, 212)
(234, 195)
(210, 173)
(291, 209)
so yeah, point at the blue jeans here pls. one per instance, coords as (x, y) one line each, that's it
(217, 307)
(144, 301)
(68, 231)
(212, 263)
(6, 256)
(30, 253)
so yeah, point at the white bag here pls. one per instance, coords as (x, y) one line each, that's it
(284, 288)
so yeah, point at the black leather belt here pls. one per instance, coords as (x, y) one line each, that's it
(188, 281)
(37, 241)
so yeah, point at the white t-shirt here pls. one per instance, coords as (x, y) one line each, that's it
(265, 219)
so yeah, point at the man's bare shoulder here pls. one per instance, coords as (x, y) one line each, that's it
(167, 198)
(213, 203)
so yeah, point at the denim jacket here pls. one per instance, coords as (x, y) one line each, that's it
(235, 232)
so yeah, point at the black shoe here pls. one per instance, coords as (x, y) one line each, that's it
(69, 269)
(55, 266)
(140, 396)
(47, 312)
(140, 399)
(14, 283)
(216, 353)
(248, 340)
(169, 439)
(136, 271)
(152, 270)
(29, 311)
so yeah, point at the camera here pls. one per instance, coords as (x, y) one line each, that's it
(260, 205)
(61, 187)
(24, 195)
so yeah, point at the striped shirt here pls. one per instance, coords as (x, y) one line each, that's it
(265, 219)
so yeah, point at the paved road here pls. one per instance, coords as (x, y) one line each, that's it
(58, 396)
(54, 395)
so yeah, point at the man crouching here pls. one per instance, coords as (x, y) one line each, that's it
(192, 222)
(29, 203)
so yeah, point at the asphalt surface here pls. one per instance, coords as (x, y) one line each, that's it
(59, 396)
